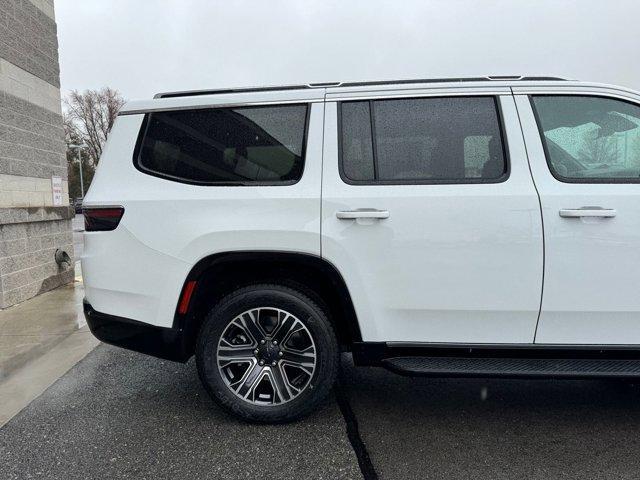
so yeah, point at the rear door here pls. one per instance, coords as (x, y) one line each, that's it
(430, 214)
(587, 171)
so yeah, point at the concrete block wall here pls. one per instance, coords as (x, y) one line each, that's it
(32, 147)
(30, 38)
(27, 246)
(32, 150)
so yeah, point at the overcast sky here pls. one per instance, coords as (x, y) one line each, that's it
(145, 46)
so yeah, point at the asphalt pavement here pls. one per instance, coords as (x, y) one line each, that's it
(122, 415)
(426, 428)
(119, 414)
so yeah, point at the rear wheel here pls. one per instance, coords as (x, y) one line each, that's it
(267, 353)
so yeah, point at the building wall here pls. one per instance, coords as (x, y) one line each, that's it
(32, 150)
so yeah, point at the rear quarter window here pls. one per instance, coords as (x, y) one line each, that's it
(225, 146)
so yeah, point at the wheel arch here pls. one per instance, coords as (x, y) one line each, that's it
(219, 274)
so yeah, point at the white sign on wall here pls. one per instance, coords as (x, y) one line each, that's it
(56, 190)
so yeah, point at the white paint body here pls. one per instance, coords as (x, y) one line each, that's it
(452, 263)
(458, 263)
(592, 265)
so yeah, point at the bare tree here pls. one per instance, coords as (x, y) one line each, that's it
(73, 137)
(89, 117)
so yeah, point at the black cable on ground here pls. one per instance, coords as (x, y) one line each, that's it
(360, 449)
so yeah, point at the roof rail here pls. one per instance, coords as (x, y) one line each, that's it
(444, 80)
(530, 78)
(191, 93)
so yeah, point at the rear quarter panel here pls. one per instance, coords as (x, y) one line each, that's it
(137, 270)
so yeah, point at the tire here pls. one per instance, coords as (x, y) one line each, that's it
(288, 384)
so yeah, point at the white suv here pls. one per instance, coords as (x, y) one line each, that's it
(468, 227)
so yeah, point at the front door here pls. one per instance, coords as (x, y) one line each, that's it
(432, 220)
(587, 171)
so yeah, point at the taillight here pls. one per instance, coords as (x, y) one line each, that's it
(101, 219)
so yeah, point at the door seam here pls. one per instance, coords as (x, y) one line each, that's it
(324, 112)
(544, 250)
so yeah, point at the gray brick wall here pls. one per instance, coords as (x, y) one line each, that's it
(27, 248)
(31, 140)
(32, 150)
(28, 39)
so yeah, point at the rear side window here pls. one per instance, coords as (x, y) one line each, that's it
(357, 142)
(424, 140)
(228, 146)
(590, 139)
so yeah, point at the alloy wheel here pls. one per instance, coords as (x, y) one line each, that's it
(266, 356)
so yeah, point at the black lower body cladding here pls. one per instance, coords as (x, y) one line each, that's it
(167, 343)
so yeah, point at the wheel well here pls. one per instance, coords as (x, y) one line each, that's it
(220, 274)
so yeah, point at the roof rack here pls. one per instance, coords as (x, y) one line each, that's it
(192, 93)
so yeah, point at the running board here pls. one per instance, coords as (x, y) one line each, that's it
(513, 367)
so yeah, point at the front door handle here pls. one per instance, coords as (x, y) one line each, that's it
(362, 213)
(587, 212)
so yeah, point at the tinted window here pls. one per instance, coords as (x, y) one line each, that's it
(226, 145)
(428, 140)
(590, 138)
(357, 143)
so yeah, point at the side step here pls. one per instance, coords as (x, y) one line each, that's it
(513, 367)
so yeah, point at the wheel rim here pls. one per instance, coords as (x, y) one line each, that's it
(266, 356)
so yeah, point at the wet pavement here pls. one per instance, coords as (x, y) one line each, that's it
(422, 428)
(40, 340)
(120, 414)
(36, 325)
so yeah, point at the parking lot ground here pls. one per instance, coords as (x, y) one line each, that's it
(425, 428)
(32, 326)
(40, 339)
(119, 414)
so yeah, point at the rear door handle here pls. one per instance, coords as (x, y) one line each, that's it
(362, 213)
(587, 212)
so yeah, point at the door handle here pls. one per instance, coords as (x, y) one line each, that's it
(362, 213)
(587, 212)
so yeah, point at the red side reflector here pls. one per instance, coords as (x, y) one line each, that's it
(189, 288)
(100, 219)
